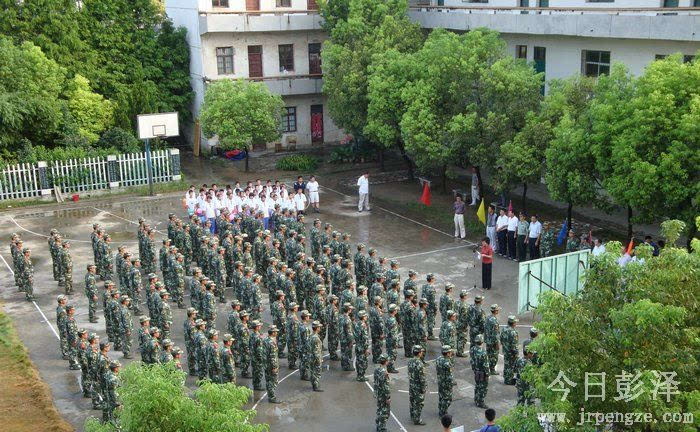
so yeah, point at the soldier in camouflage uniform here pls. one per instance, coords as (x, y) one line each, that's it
(179, 281)
(102, 368)
(417, 384)
(410, 283)
(190, 328)
(547, 240)
(347, 337)
(83, 347)
(480, 365)
(509, 341)
(125, 326)
(315, 352)
(258, 353)
(112, 401)
(377, 288)
(292, 329)
(533, 335)
(53, 250)
(333, 324)
(144, 335)
(445, 379)
(209, 306)
(477, 318)
(376, 326)
(187, 249)
(359, 260)
(228, 366)
(278, 310)
(61, 325)
(212, 356)
(106, 257)
(391, 330)
(361, 345)
(491, 333)
(65, 276)
(448, 330)
(200, 345)
(523, 387)
(462, 323)
(72, 337)
(407, 325)
(420, 324)
(219, 271)
(428, 293)
(382, 392)
(303, 338)
(112, 318)
(134, 278)
(272, 364)
(318, 309)
(93, 356)
(166, 355)
(27, 275)
(447, 302)
(166, 315)
(153, 347)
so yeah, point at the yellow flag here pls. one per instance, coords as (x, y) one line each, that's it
(481, 212)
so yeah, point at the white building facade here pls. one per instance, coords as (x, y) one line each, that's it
(278, 42)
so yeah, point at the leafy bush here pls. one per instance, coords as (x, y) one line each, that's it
(297, 163)
(121, 140)
(154, 398)
(358, 150)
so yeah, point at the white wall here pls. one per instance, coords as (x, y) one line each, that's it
(567, 3)
(269, 42)
(265, 5)
(331, 132)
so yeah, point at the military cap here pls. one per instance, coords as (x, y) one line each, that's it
(392, 307)
(292, 305)
(279, 293)
(93, 336)
(256, 323)
(361, 288)
(167, 342)
(127, 254)
(228, 337)
(347, 306)
(144, 319)
(305, 313)
(316, 324)
(54, 231)
(66, 243)
(158, 285)
(451, 313)
(417, 349)
(445, 349)
(512, 319)
(152, 276)
(423, 301)
(81, 331)
(114, 364)
(141, 220)
(25, 250)
(326, 247)
(360, 246)
(177, 351)
(198, 322)
(449, 286)
(155, 330)
(108, 237)
(411, 273)
(90, 265)
(124, 299)
(60, 298)
(495, 307)
(171, 215)
(362, 313)
(212, 333)
(463, 293)
(95, 225)
(109, 283)
(534, 331)
(164, 293)
(479, 339)
(410, 293)
(244, 313)
(273, 328)
(430, 276)
(70, 307)
(192, 311)
(104, 344)
(382, 358)
(336, 257)
(235, 302)
(478, 299)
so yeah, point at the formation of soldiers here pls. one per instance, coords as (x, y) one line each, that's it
(23, 268)
(346, 304)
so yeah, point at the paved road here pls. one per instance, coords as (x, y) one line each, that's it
(346, 405)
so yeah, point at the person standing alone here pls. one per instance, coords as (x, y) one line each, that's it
(363, 190)
(459, 207)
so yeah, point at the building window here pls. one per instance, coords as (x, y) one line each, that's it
(600, 1)
(219, 3)
(660, 56)
(478, 1)
(224, 60)
(595, 63)
(286, 58)
(521, 51)
(314, 59)
(688, 58)
(284, 3)
(289, 119)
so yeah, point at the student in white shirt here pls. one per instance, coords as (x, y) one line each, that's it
(512, 234)
(312, 189)
(264, 207)
(598, 248)
(300, 202)
(533, 238)
(210, 213)
(190, 202)
(283, 192)
(363, 191)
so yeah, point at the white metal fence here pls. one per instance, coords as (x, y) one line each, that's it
(28, 180)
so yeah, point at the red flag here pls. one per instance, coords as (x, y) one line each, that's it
(425, 198)
(590, 236)
(510, 205)
(630, 246)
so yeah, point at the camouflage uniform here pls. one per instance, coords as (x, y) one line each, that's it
(480, 366)
(462, 323)
(61, 325)
(376, 325)
(65, 276)
(83, 347)
(111, 402)
(547, 242)
(125, 327)
(477, 319)
(72, 338)
(382, 392)
(347, 338)
(448, 332)
(428, 293)
(258, 353)
(292, 327)
(491, 333)
(303, 338)
(445, 379)
(213, 359)
(523, 387)
(509, 341)
(416, 385)
(279, 319)
(361, 345)
(228, 367)
(391, 329)
(332, 324)
(27, 276)
(315, 352)
(179, 279)
(272, 364)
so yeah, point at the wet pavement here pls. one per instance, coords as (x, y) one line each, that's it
(346, 405)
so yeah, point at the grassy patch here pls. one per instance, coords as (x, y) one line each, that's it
(25, 400)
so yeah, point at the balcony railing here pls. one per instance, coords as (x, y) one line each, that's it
(555, 10)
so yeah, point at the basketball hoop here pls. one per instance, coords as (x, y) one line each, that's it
(151, 126)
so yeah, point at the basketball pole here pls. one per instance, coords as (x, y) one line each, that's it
(149, 168)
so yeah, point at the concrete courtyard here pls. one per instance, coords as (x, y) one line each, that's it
(346, 405)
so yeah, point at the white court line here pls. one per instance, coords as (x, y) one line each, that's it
(35, 305)
(431, 252)
(278, 383)
(390, 412)
(42, 235)
(404, 217)
(125, 219)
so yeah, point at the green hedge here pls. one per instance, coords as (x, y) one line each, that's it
(297, 163)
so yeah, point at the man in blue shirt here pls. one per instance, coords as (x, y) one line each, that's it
(490, 422)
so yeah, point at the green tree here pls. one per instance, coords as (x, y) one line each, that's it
(31, 86)
(569, 161)
(241, 114)
(646, 139)
(91, 111)
(333, 12)
(640, 320)
(371, 28)
(154, 398)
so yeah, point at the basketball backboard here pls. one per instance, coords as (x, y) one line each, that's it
(161, 125)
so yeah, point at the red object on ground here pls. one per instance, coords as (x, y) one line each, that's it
(75, 198)
(425, 198)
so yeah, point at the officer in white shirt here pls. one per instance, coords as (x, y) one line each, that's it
(502, 232)
(533, 238)
(512, 234)
(363, 190)
(312, 189)
(300, 201)
(598, 248)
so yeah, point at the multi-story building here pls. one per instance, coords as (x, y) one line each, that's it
(278, 42)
